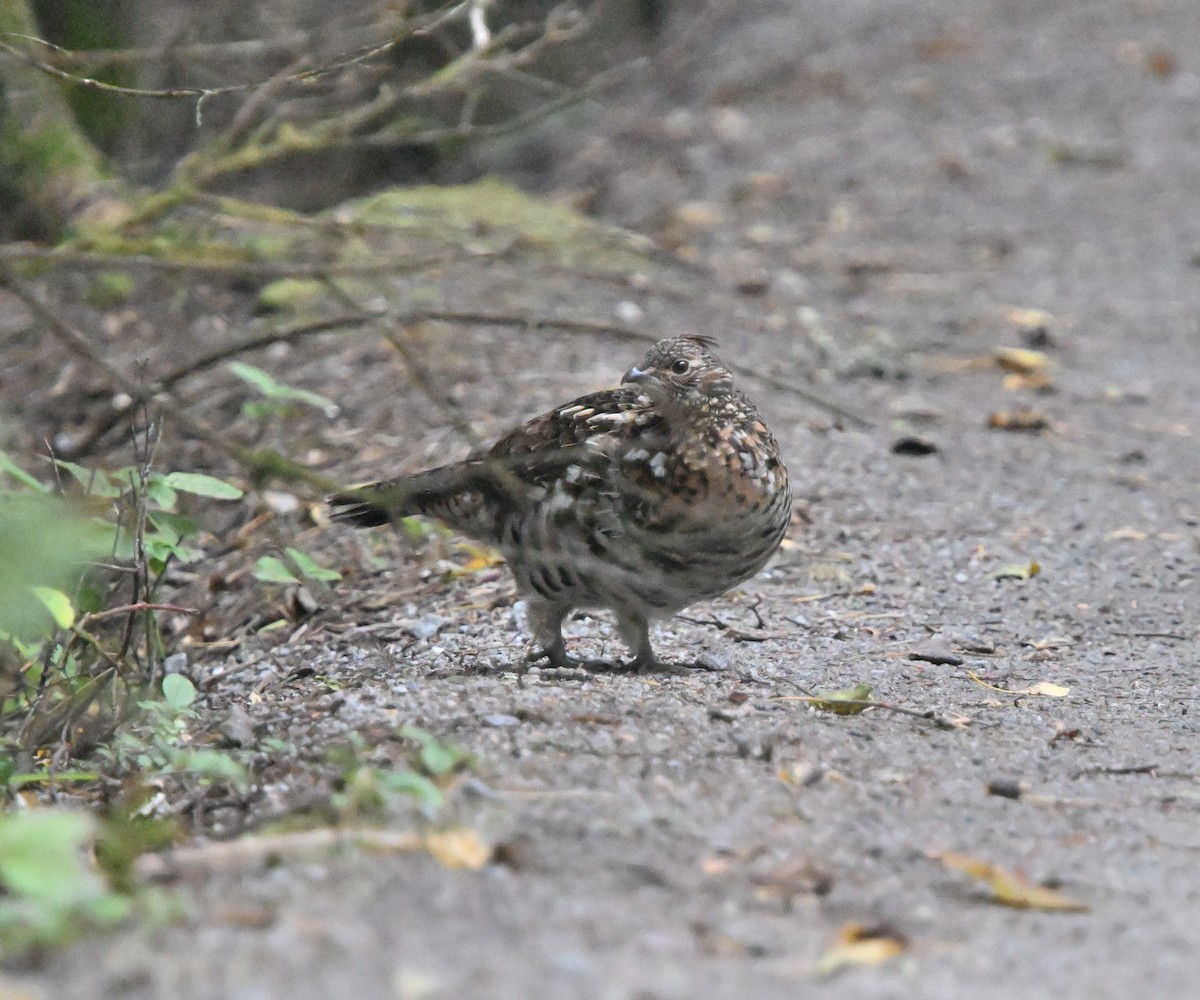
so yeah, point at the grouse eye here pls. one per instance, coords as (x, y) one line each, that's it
(681, 366)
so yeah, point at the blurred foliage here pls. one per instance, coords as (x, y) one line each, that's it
(44, 541)
(50, 891)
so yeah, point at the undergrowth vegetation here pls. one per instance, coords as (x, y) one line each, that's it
(107, 749)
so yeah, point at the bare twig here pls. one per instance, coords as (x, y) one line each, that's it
(348, 59)
(236, 267)
(255, 463)
(126, 609)
(252, 851)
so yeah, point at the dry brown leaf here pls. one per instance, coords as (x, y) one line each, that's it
(799, 877)
(461, 847)
(1010, 888)
(1033, 382)
(1026, 420)
(858, 944)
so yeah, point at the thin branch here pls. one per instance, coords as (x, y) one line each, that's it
(337, 64)
(240, 50)
(257, 464)
(236, 267)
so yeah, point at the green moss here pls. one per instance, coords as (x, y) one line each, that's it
(110, 288)
(494, 213)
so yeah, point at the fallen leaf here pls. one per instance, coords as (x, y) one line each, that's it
(482, 557)
(857, 944)
(848, 701)
(1047, 690)
(1010, 888)
(799, 877)
(1132, 534)
(1044, 688)
(1026, 420)
(1018, 571)
(458, 848)
(1051, 642)
(1030, 319)
(1032, 382)
(1021, 360)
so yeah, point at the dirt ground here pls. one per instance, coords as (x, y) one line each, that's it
(869, 199)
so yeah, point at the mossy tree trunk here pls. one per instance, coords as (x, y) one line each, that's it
(50, 173)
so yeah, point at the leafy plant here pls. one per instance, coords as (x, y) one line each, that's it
(50, 891)
(54, 595)
(158, 742)
(370, 790)
(43, 543)
(271, 569)
(277, 398)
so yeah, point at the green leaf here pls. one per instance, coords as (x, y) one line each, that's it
(310, 568)
(97, 482)
(212, 765)
(437, 758)
(162, 548)
(271, 570)
(40, 856)
(847, 701)
(159, 493)
(172, 525)
(202, 486)
(19, 474)
(178, 691)
(43, 543)
(273, 389)
(290, 292)
(58, 604)
(417, 785)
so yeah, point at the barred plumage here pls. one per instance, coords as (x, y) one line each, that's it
(642, 499)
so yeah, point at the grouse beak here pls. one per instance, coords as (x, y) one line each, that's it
(635, 375)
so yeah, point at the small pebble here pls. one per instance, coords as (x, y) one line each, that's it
(176, 663)
(628, 312)
(1006, 788)
(426, 627)
(910, 444)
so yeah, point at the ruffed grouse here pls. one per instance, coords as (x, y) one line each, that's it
(641, 499)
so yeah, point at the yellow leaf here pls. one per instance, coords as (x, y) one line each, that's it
(1010, 888)
(1047, 690)
(848, 701)
(1030, 319)
(859, 945)
(1018, 571)
(1021, 360)
(1031, 382)
(482, 557)
(458, 848)
(58, 604)
(1044, 688)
